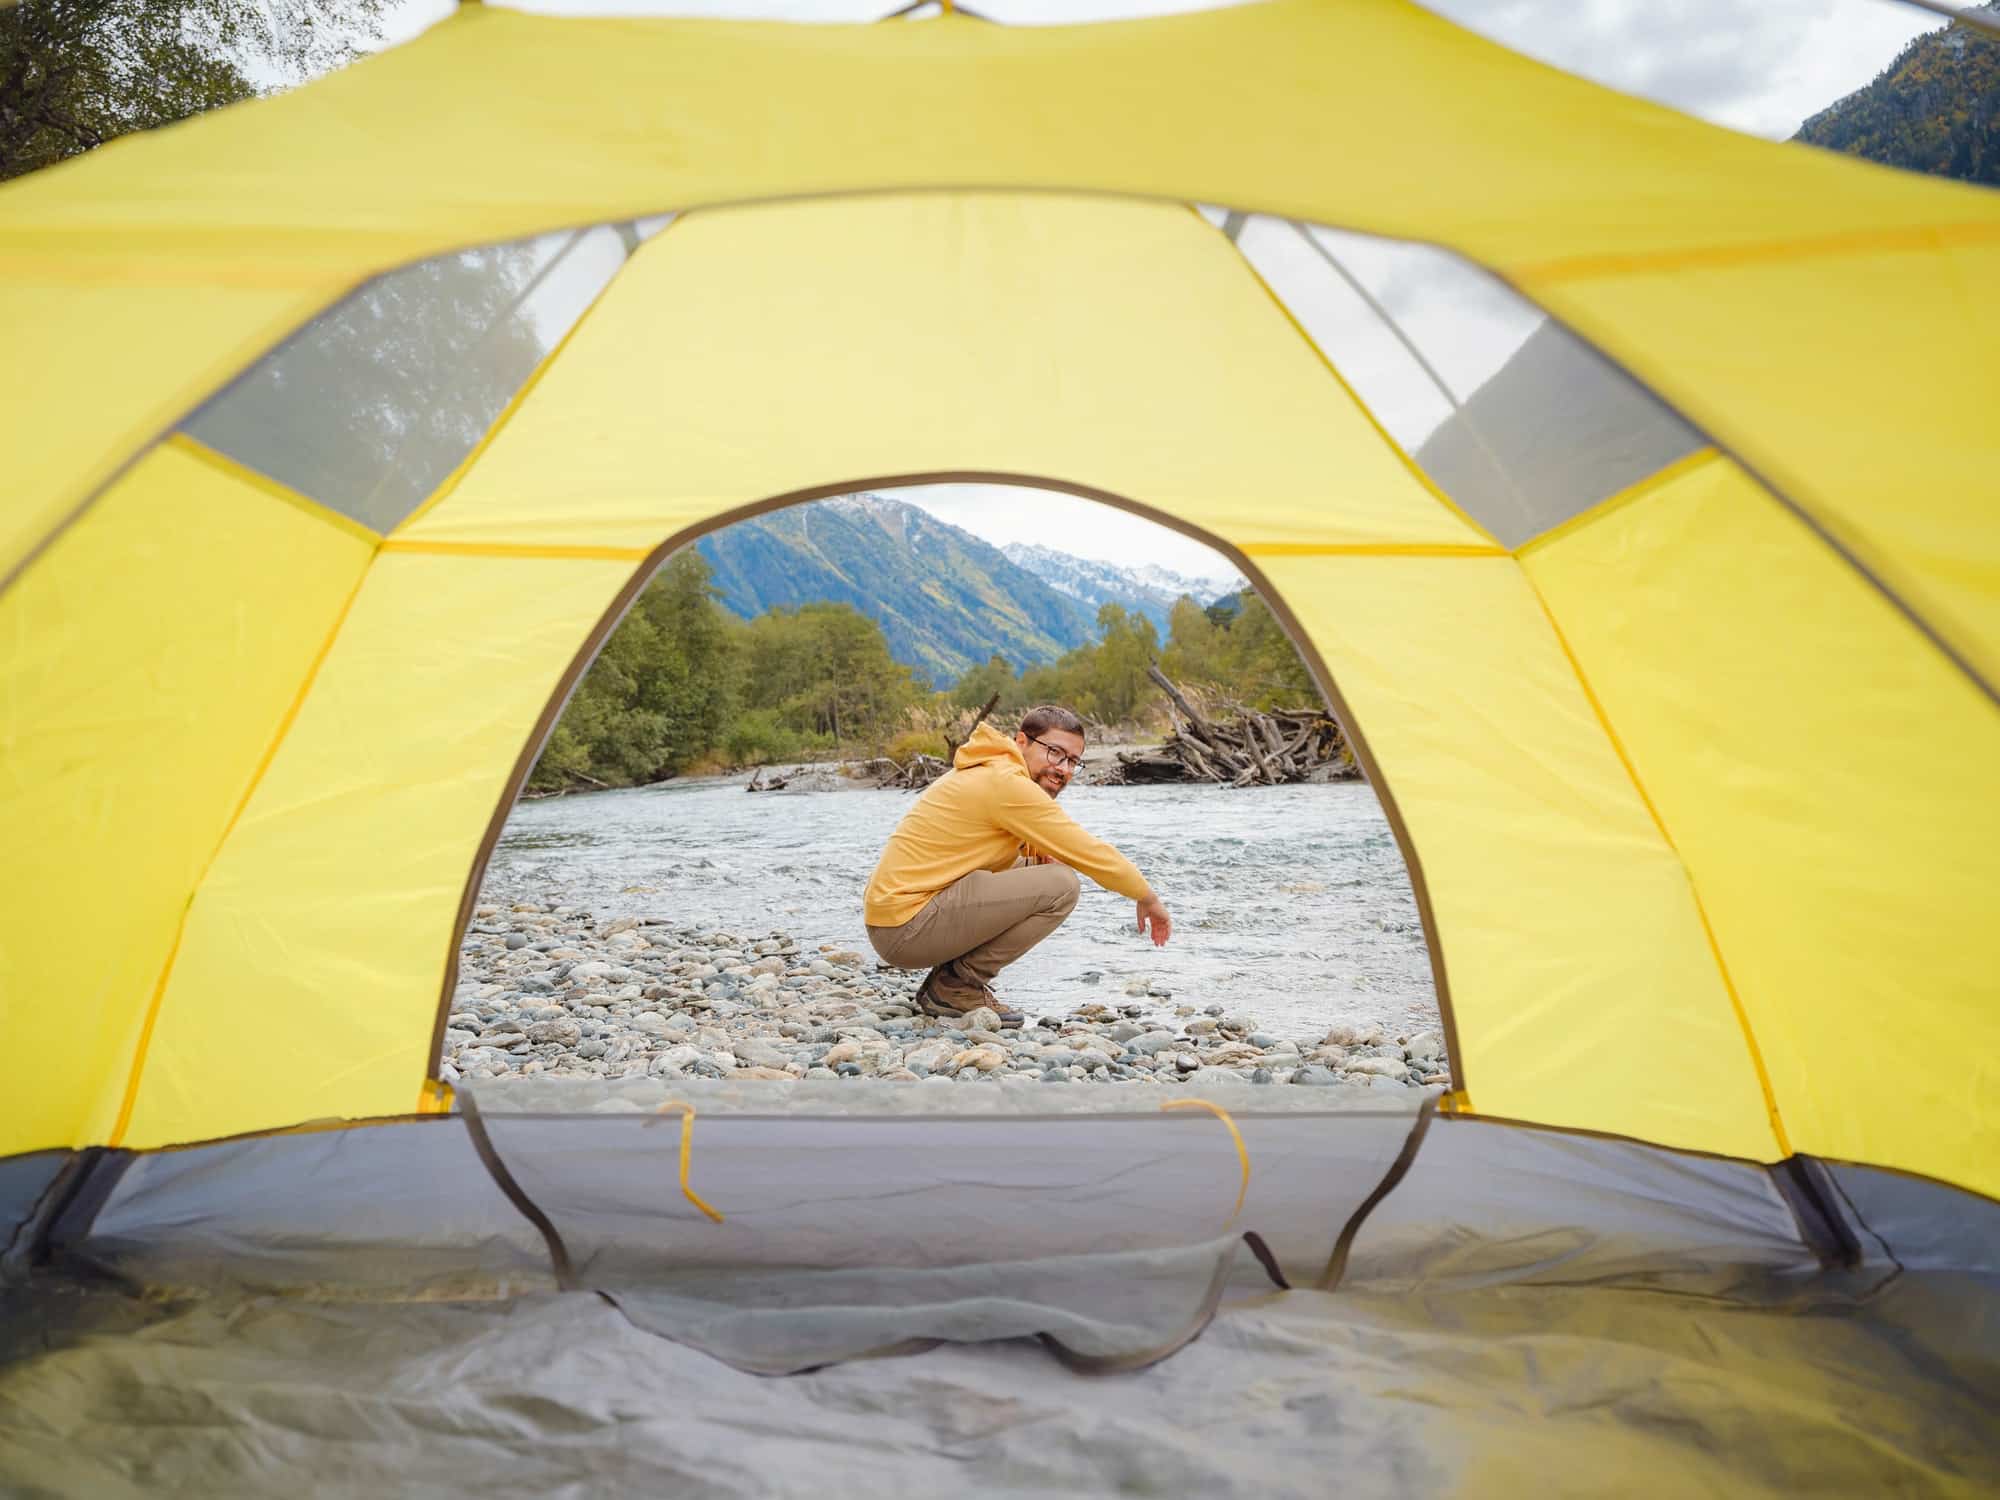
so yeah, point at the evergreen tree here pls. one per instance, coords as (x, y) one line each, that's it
(77, 73)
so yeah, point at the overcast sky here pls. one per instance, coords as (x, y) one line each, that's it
(1760, 66)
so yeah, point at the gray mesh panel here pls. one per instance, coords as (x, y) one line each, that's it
(1521, 423)
(371, 405)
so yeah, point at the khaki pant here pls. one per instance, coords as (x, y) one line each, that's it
(976, 926)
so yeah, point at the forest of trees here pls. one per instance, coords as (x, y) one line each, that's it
(77, 73)
(683, 686)
(1935, 109)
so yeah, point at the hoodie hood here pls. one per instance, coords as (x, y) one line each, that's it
(988, 745)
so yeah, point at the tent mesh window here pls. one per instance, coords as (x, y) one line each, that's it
(1514, 417)
(370, 407)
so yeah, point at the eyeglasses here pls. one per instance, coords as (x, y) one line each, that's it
(1061, 759)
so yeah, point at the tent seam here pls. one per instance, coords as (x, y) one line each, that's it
(551, 552)
(1694, 889)
(1371, 549)
(241, 358)
(1611, 504)
(230, 468)
(451, 481)
(1724, 257)
(1414, 469)
(141, 1053)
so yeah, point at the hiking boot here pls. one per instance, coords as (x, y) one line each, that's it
(949, 1002)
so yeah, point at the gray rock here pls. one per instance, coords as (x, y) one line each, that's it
(516, 940)
(1151, 1043)
(1261, 1075)
(1317, 1077)
(564, 1033)
(760, 1053)
(1378, 1067)
(675, 1059)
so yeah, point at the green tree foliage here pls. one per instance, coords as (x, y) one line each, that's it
(1935, 109)
(77, 73)
(659, 696)
(1117, 682)
(1264, 669)
(1240, 650)
(1195, 637)
(983, 682)
(825, 671)
(680, 683)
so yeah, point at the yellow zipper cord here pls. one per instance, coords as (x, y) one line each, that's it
(686, 1112)
(1242, 1151)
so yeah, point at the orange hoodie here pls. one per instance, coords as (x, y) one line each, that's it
(984, 815)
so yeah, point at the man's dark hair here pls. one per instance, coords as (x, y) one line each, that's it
(1039, 721)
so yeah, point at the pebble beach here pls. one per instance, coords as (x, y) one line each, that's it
(547, 990)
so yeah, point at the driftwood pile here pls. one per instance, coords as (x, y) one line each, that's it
(912, 775)
(1247, 749)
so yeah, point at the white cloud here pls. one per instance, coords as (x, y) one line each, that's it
(1760, 66)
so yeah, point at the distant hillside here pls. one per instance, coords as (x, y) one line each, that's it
(1550, 433)
(946, 601)
(1149, 590)
(1935, 109)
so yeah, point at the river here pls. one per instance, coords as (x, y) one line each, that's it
(1290, 903)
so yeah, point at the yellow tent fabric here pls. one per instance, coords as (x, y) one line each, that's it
(1639, 766)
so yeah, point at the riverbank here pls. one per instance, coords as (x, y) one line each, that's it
(869, 773)
(549, 990)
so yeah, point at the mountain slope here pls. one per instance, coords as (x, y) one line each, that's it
(1935, 109)
(1551, 432)
(1150, 590)
(946, 601)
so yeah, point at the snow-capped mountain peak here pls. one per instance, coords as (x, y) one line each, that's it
(1149, 588)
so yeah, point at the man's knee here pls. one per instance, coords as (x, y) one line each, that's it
(1065, 890)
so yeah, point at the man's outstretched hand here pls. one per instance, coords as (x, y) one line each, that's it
(1153, 914)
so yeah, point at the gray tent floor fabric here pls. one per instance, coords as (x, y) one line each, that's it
(1535, 1391)
(364, 1310)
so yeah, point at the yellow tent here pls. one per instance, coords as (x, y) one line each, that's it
(1693, 777)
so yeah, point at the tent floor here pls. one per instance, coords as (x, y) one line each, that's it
(1505, 1391)
(533, 1304)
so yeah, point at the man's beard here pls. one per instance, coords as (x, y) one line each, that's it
(1055, 790)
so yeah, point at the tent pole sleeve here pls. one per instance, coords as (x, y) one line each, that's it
(482, 1143)
(1803, 1184)
(1336, 1265)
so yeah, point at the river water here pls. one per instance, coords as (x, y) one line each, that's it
(1290, 903)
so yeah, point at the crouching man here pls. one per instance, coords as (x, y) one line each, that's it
(984, 866)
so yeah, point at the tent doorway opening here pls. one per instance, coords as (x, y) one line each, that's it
(643, 919)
